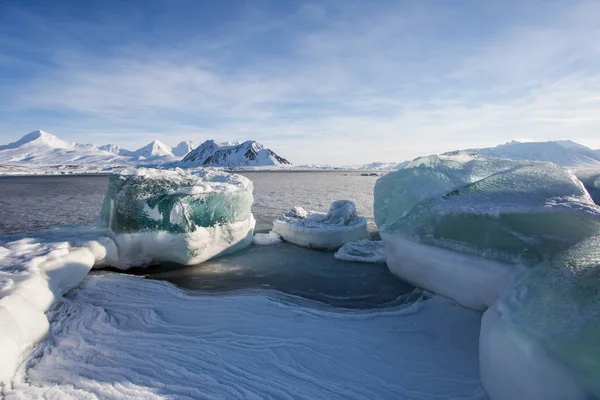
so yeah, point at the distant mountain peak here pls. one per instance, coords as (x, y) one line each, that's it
(154, 149)
(37, 138)
(248, 153)
(566, 153)
(183, 148)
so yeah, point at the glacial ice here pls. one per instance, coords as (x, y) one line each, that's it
(152, 340)
(175, 215)
(368, 251)
(541, 341)
(591, 180)
(322, 231)
(459, 223)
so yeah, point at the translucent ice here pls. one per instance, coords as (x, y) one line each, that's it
(510, 212)
(175, 201)
(591, 181)
(176, 215)
(541, 341)
(322, 231)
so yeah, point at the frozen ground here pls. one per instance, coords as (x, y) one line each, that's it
(155, 341)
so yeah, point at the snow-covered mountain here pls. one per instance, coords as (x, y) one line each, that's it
(249, 153)
(42, 148)
(153, 151)
(565, 153)
(183, 148)
(383, 166)
(115, 149)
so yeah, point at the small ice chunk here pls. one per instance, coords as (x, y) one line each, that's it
(322, 231)
(368, 251)
(265, 239)
(341, 212)
(296, 212)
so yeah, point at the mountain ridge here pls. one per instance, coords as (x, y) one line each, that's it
(43, 148)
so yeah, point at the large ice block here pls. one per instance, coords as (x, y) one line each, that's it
(541, 341)
(441, 216)
(322, 231)
(185, 216)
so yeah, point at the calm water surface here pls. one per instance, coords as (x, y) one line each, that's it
(32, 203)
(29, 204)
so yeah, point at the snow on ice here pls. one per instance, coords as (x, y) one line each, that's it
(152, 340)
(175, 215)
(322, 231)
(473, 218)
(369, 251)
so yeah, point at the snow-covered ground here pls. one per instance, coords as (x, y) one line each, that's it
(155, 341)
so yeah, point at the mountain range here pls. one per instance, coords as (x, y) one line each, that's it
(42, 148)
(565, 153)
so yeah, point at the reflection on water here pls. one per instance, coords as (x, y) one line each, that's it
(294, 270)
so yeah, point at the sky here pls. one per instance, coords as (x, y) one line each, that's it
(326, 81)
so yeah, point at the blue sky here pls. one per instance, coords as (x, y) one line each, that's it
(339, 81)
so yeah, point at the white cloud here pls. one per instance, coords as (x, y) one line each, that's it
(347, 85)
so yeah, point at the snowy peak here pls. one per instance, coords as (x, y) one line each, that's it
(155, 149)
(38, 138)
(112, 148)
(183, 148)
(249, 153)
(565, 153)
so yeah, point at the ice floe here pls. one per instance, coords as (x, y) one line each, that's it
(322, 231)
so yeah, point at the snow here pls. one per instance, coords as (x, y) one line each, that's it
(562, 152)
(36, 270)
(155, 150)
(155, 341)
(368, 251)
(266, 239)
(322, 231)
(183, 148)
(34, 273)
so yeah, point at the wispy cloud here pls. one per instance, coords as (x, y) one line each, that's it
(323, 82)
